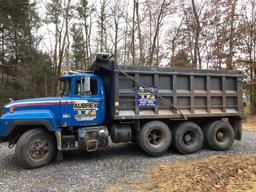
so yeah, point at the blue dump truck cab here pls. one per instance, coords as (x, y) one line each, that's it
(76, 107)
(153, 107)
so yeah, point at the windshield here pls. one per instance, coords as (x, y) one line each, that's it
(65, 85)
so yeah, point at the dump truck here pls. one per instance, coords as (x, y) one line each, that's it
(154, 107)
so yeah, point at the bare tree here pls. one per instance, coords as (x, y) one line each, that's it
(133, 32)
(59, 13)
(231, 38)
(102, 25)
(86, 12)
(163, 11)
(197, 58)
(117, 14)
(140, 37)
(175, 33)
(246, 30)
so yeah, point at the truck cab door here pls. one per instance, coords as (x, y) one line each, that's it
(65, 102)
(88, 102)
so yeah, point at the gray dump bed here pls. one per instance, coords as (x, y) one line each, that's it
(150, 92)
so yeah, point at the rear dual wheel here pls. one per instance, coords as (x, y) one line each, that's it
(219, 135)
(188, 138)
(155, 138)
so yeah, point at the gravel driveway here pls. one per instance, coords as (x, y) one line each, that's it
(94, 171)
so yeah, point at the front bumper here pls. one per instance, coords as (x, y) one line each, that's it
(3, 138)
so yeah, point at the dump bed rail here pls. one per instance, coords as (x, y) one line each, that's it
(152, 92)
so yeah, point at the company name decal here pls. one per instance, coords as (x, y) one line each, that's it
(87, 105)
(86, 111)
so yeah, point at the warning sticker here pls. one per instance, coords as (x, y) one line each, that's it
(146, 96)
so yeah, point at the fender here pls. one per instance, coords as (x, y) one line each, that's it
(32, 117)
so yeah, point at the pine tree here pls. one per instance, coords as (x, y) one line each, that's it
(23, 67)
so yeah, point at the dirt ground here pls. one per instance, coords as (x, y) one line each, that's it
(215, 173)
(232, 173)
(250, 123)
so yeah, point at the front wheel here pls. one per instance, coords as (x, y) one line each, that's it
(155, 138)
(35, 148)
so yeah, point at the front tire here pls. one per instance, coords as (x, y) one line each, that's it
(155, 138)
(35, 148)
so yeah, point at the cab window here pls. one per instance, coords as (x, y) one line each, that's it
(65, 86)
(92, 88)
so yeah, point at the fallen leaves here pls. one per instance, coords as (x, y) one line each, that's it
(215, 173)
(249, 123)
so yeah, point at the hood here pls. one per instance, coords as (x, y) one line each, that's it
(33, 101)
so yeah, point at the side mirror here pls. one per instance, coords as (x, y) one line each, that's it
(61, 93)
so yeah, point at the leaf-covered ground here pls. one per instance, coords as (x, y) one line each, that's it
(215, 173)
(250, 123)
(235, 173)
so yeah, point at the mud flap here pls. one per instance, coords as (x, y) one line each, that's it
(237, 126)
(59, 155)
(58, 139)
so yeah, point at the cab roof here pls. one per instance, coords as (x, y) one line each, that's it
(77, 75)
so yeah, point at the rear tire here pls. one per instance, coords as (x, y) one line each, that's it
(35, 148)
(188, 138)
(155, 138)
(219, 135)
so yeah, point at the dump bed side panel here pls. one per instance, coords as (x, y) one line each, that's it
(158, 94)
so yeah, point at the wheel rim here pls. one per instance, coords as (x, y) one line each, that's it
(39, 149)
(189, 137)
(155, 137)
(222, 135)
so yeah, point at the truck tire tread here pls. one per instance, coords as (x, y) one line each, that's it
(178, 138)
(210, 135)
(22, 158)
(142, 134)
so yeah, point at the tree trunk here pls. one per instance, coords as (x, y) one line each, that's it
(141, 59)
(133, 32)
(116, 36)
(231, 38)
(159, 20)
(196, 58)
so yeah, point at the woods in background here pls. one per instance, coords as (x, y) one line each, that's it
(41, 39)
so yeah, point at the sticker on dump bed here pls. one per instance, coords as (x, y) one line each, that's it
(86, 111)
(147, 97)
